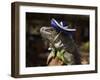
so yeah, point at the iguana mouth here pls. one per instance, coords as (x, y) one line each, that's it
(46, 30)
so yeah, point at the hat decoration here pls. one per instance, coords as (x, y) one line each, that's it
(61, 27)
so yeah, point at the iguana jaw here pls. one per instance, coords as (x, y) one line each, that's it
(45, 30)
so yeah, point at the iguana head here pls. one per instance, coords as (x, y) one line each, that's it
(51, 35)
(48, 33)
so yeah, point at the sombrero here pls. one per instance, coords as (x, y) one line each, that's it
(60, 26)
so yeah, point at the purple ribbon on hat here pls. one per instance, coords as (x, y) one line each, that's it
(61, 26)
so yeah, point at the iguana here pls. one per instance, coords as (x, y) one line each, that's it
(62, 46)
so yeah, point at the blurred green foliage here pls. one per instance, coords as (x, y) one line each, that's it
(85, 47)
